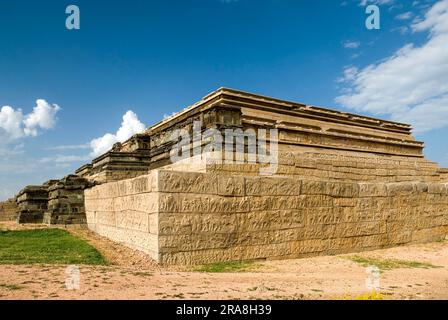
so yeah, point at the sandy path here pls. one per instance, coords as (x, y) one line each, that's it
(134, 276)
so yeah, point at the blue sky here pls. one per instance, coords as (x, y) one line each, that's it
(157, 57)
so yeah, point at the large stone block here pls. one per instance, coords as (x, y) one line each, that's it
(192, 218)
(187, 182)
(231, 186)
(372, 190)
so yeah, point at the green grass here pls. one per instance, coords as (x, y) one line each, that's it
(389, 264)
(52, 246)
(233, 266)
(11, 286)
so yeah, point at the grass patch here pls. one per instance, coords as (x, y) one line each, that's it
(142, 274)
(389, 264)
(232, 266)
(52, 246)
(11, 286)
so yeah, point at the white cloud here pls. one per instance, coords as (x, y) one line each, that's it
(412, 84)
(167, 116)
(15, 125)
(11, 124)
(43, 117)
(377, 2)
(130, 125)
(350, 73)
(402, 30)
(404, 16)
(351, 44)
(16, 150)
(70, 147)
(435, 20)
(64, 159)
(102, 144)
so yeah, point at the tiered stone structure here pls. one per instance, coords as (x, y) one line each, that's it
(125, 160)
(344, 183)
(8, 210)
(32, 203)
(66, 201)
(190, 217)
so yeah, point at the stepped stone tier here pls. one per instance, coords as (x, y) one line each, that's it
(66, 201)
(321, 135)
(32, 202)
(8, 210)
(344, 183)
(124, 160)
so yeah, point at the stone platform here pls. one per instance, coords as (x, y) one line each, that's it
(191, 218)
(342, 183)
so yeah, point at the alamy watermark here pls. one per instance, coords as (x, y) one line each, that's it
(373, 278)
(73, 277)
(73, 21)
(233, 146)
(373, 21)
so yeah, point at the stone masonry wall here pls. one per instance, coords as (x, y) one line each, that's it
(126, 211)
(8, 210)
(32, 202)
(66, 201)
(194, 218)
(205, 218)
(345, 166)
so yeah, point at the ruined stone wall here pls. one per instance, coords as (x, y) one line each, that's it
(192, 218)
(205, 218)
(8, 210)
(126, 211)
(66, 201)
(32, 203)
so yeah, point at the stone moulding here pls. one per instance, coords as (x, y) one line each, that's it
(66, 201)
(192, 218)
(32, 203)
(299, 125)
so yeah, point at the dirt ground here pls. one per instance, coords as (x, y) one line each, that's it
(133, 275)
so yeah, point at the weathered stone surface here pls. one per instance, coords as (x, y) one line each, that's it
(66, 201)
(126, 211)
(314, 143)
(231, 186)
(247, 218)
(32, 202)
(9, 210)
(187, 182)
